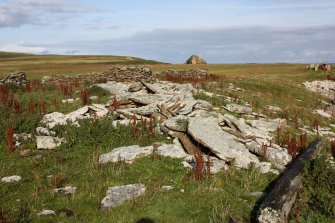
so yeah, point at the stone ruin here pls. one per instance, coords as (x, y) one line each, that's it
(133, 73)
(191, 122)
(16, 78)
(115, 73)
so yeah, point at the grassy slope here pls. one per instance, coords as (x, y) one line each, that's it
(37, 66)
(226, 195)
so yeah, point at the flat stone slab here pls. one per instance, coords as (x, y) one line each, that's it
(48, 142)
(125, 154)
(178, 123)
(117, 195)
(240, 109)
(69, 190)
(11, 179)
(208, 133)
(174, 150)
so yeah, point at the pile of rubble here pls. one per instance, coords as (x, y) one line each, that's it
(16, 78)
(116, 73)
(230, 140)
(187, 75)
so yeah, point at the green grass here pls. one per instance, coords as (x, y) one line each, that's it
(36, 66)
(222, 197)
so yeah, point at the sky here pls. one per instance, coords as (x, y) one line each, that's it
(220, 31)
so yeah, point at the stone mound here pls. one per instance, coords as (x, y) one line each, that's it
(194, 59)
(116, 73)
(17, 78)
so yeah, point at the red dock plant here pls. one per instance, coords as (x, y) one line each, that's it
(31, 106)
(17, 107)
(10, 138)
(199, 164)
(114, 105)
(84, 95)
(43, 108)
(4, 95)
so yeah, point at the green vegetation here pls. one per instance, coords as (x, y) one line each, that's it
(37, 66)
(224, 197)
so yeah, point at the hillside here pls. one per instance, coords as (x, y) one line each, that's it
(39, 65)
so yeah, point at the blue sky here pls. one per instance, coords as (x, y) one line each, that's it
(225, 31)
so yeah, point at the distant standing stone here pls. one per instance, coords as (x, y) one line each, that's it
(194, 59)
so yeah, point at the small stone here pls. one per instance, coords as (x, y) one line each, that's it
(48, 142)
(186, 165)
(182, 190)
(125, 154)
(11, 179)
(46, 212)
(116, 195)
(167, 188)
(69, 190)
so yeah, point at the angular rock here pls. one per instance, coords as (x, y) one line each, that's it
(117, 195)
(208, 133)
(263, 167)
(240, 109)
(135, 86)
(48, 142)
(11, 179)
(46, 213)
(121, 122)
(53, 119)
(178, 123)
(125, 154)
(167, 188)
(69, 190)
(174, 150)
(44, 131)
(269, 126)
(276, 156)
(195, 59)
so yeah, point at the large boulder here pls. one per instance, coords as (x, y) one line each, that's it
(194, 59)
(208, 133)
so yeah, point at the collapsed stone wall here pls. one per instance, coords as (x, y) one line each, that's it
(16, 78)
(116, 73)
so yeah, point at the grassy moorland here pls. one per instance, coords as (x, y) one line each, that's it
(225, 197)
(39, 65)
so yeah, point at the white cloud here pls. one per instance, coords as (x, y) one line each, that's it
(16, 13)
(22, 48)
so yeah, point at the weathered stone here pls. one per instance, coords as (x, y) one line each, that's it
(208, 133)
(11, 179)
(127, 154)
(240, 109)
(194, 59)
(273, 155)
(69, 190)
(174, 150)
(46, 213)
(44, 131)
(48, 142)
(135, 86)
(268, 126)
(263, 167)
(178, 123)
(119, 194)
(146, 99)
(325, 88)
(323, 113)
(114, 88)
(53, 119)
(121, 122)
(167, 188)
